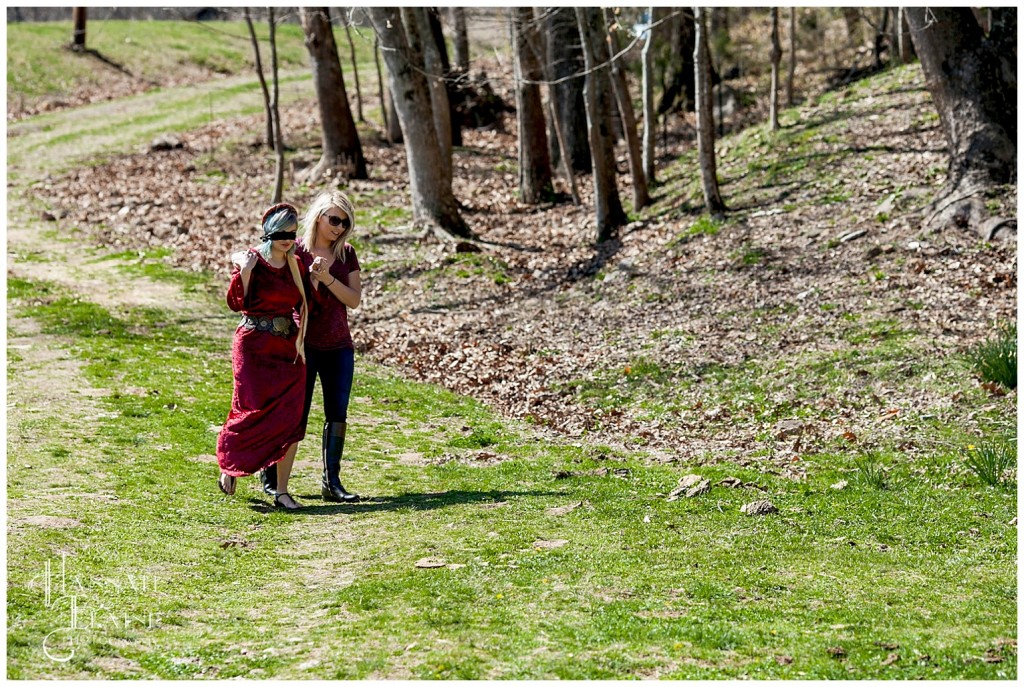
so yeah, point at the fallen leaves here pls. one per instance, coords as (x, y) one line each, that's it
(762, 507)
(690, 487)
(504, 325)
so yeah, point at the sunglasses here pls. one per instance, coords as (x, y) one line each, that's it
(281, 236)
(343, 222)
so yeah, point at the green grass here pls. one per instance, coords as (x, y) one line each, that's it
(643, 586)
(993, 462)
(39, 65)
(996, 358)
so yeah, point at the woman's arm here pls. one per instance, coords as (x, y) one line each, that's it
(238, 290)
(349, 295)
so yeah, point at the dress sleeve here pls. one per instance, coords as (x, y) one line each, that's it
(236, 292)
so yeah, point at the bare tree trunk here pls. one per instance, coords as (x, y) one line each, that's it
(607, 206)
(341, 148)
(263, 81)
(275, 110)
(534, 162)
(380, 89)
(680, 78)
(565, 57)
(881, 33)
(853, 30)
(705, 120)
(894, 36)
(461, 43)
(570, 175)
(451, 93)
(421, 39)
(973, 82)
(355, 72)
(394, 125)
(773, 101)
(641, 197)
(650, 118)
(432, 200)
(78, 17)
(905, 46)
(792, 57)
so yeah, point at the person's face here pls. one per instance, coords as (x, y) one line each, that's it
(332, 224)
(283, 240)
(284, 245)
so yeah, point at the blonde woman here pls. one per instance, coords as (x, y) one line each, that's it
(334, 278)
(268, 286)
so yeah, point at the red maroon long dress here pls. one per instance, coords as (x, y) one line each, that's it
(270, 378)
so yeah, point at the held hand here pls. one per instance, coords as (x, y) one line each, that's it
(318, 271)
(245, 260)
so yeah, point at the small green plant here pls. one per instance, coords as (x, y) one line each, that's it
(995, 463)
(996, 358)
(870, 471)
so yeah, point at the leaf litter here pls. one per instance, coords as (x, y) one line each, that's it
(542, 314)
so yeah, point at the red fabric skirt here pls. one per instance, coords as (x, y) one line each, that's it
(266, 406)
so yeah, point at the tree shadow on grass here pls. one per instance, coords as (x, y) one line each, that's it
(313, 504)
(92, 52)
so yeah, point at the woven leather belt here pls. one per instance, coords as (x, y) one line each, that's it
(278, 326)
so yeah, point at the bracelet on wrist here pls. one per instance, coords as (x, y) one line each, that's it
(332, 282)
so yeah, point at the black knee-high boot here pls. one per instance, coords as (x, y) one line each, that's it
(333, 447)
(268, 478)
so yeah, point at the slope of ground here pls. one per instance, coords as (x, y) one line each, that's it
(487, 547)
(819, 298)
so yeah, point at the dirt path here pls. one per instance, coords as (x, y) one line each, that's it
(52, 142)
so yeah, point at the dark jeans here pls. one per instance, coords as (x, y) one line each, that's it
(335, 369)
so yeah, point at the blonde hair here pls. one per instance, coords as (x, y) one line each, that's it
(317, 209)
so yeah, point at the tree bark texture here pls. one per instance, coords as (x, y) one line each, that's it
(776, 57)
(384, 104)
(565, 59)
(974, 92)
(650, 118)
(432, 199)
(534, 161)
(905, 46)
(461, 42)
(450, 84)
(341, 148)
(792, 57)
(78, 19)
(620, 88)
(419, 33)
(680, 87)
(355, 71)
(705, 119)
(598, 100)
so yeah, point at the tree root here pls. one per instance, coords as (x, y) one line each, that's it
(962, 207)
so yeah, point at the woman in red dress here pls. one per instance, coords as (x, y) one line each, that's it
(336, 288)
(267, 358)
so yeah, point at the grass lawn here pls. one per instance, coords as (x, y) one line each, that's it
(555, 560)
(484, 548)
(38, 63)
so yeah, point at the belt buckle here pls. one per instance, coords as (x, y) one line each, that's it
(281, 325)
